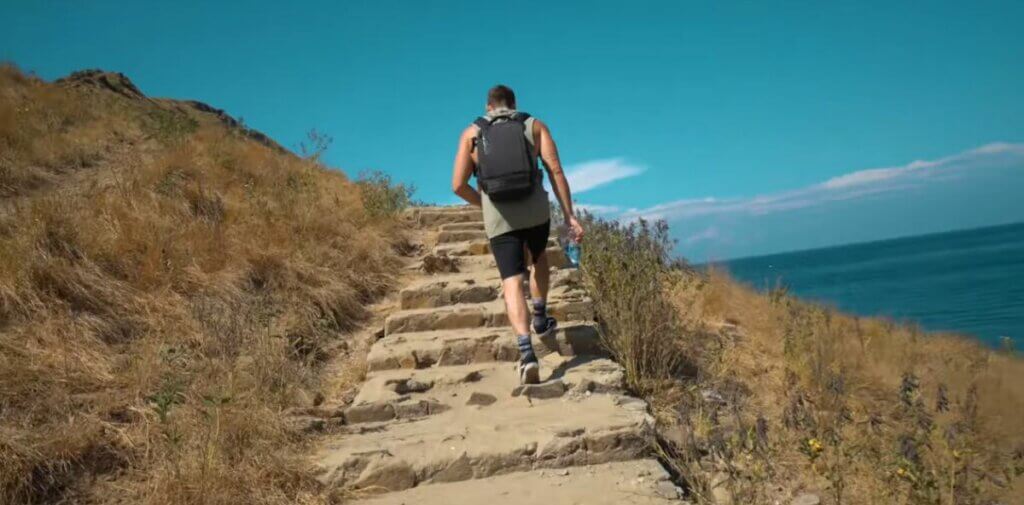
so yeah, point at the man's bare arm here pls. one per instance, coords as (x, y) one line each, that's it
(560, 185)
(463, 168)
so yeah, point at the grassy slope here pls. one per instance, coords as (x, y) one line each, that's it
(169, 287)
(760, 396)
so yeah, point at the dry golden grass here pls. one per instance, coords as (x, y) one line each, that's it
(859, 410)
(777, 396)
(161, 312)
(47, 131)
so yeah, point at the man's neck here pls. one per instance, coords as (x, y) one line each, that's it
(500, 111)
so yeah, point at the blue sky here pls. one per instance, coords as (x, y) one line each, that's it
(696, 112)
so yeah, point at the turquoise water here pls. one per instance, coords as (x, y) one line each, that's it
(969, 282)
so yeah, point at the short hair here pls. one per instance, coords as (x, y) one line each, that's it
(501, 95)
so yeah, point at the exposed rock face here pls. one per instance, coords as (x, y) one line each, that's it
(116, 82)
(435, 263)
(639, 482)
(481, 399)
(545, 390)
(231, 122)
(441, 413)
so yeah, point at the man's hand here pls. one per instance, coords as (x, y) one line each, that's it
(575, 229)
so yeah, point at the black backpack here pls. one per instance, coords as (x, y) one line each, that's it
(506, 167)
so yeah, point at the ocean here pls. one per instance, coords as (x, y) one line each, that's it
(969, 282)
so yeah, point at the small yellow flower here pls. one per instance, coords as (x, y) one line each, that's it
(956, 454)
(814, 445)
(901, 472)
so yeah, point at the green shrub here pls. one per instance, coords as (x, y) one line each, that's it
(382, 197)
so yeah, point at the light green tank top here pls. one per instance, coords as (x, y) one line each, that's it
(533, 210)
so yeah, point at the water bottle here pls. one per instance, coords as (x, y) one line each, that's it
(572, 252)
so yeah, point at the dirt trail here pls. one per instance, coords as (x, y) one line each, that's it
(441, 419)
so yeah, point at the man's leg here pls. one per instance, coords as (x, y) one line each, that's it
(539, 280)
(511, 260)
(515, 303)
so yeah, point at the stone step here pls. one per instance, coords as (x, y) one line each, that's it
(450, 236)
(413, 213)
(485, 262)
(411, 394)
(458, 232)
(477, 345)
(481, 285)
(638, 482)
(477, 248)
(471, 225)
(436, 216)
(467, 248)
(563, 304)
(477, 437)
(470, 287)
(440, 208)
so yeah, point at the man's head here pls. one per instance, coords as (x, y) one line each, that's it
(501, 96)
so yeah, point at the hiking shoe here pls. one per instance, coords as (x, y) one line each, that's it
(548, 329)
(529, 372)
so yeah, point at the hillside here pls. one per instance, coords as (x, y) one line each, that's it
(171, 283)
(762, 396)
(191, 313)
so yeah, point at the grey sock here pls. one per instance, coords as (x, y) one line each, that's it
(540, 313)
(526, 354)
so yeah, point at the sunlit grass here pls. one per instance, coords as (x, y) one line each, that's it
(767, 395)
(169, 289)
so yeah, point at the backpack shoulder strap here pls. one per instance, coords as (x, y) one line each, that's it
(482, 123)
(520, 116)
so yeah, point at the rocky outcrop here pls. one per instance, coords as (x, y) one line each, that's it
(114, 82)
(120, 84)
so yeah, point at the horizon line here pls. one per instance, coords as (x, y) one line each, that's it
(851, 244)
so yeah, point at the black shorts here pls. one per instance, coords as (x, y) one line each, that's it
(509, 248)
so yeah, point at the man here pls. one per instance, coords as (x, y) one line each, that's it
(516, 215)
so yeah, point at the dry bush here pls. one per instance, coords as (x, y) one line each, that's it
(859, 410)
(161, 314)
(625, 268)
(381, 196)
(759, 396)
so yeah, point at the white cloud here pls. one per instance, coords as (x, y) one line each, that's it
(709, 233)
(588, 175)
(598, 209)
(863, 177)
(858, 184)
